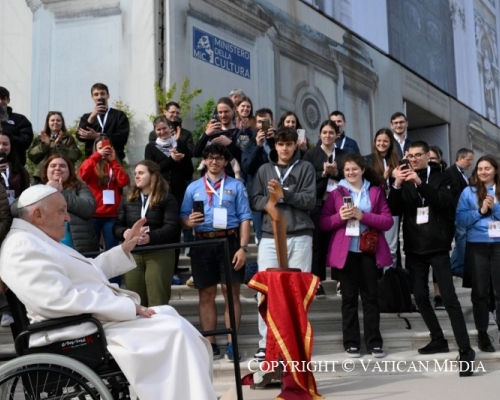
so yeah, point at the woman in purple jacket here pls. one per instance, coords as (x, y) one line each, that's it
(356, 205)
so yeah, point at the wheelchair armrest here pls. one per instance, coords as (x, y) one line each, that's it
(58, 322)
(22, 340)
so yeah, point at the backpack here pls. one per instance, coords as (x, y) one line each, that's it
(394, 293)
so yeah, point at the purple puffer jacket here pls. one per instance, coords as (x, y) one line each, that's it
(379, 218)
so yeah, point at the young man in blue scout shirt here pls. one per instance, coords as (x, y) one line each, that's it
(298, 180)
(226, 214)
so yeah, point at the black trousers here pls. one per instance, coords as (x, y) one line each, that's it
(360, 276)
(321, 240)
(419, 274)
(485, 269)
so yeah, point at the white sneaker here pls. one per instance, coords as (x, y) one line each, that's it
(7, 320)
(493, 319)
(190, 282)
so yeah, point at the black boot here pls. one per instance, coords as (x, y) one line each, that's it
(437, 345)
(466, 359)
(484, 342)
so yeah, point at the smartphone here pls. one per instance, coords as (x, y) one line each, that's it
(106, 143)
(215, 116)
(101, 102)
(199, 206)
(3, 155)
(348, 201)
(405, 163)
(302, 134)
(266, 124)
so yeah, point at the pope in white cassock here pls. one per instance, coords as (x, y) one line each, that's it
(162, 355)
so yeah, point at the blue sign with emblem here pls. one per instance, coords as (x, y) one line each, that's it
(222, 54)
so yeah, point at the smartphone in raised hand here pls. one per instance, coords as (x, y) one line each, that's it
(348, 201)
(199, 206)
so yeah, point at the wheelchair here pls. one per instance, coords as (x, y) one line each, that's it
(77, 369)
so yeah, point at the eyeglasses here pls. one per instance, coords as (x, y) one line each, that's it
(216, 159)
(416, 155)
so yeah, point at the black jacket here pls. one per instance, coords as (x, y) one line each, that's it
(458, 182)
(252, 158)
(317, 157)
(162, 220)
(435, 236)
(177, 174)
(22, 133)
(117, 128)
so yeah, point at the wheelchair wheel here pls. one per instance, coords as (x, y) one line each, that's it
(51, 377)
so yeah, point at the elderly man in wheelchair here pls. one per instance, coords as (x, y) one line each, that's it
(161, 355)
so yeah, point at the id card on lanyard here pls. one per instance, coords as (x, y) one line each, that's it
(103, 122)
(11, 196)
(220, 214)
(423, 212)
(108, 196)
(352, 227)
(144, 208)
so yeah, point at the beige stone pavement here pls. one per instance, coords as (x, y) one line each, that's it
(407, 386)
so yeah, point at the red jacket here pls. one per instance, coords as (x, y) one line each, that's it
(120, 179)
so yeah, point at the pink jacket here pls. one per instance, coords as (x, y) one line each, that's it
(379, 218)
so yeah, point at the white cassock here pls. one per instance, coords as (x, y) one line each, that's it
(163, 357)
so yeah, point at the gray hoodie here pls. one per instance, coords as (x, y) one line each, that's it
(300, 197)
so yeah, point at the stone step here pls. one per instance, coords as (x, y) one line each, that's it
(184, 292)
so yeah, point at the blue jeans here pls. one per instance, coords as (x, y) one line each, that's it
(105, 226)
(458, 253)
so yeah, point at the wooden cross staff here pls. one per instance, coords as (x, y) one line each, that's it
(279, 230)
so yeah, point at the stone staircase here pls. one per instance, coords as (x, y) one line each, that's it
(325, 316)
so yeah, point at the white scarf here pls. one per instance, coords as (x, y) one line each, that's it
(167, 145)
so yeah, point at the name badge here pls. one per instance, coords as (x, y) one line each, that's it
(422, 215)
(108, 196)
(494, 229)
(220, 218)
(332, 185)
(352, 228)
(11, 196)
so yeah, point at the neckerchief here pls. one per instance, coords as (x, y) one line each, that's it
(209, 192)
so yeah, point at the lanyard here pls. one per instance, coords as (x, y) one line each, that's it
(213, 190)
(110, 175)
(342, 144)
(283, 179)
(102, 123)
(5, 176)
(144, 207)
(463, 174)
(426, 181)
(385, 167)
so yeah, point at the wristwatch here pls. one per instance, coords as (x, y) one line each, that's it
(245, 248)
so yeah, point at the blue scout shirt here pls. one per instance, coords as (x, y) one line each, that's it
(234, 199)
